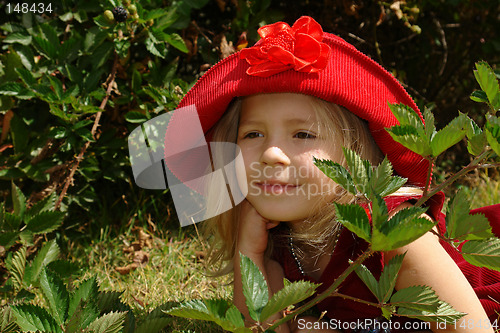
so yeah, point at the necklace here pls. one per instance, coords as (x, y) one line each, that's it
(294, 254)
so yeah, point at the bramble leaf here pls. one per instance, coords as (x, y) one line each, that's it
(492, 131)
(483, 253)
(55, 294)
(488, 83)
(460, 225)
(18, 200)
(254, 287)
(16, 267)
(109, 323)
(360, 169)
(368, 279)
(337, 173)
(419, 298)
(32, 318)
(449, 135)
(47, 254)
(354, 218)
(45, 222)
(444, 313)
(290, 294)
(387, 280)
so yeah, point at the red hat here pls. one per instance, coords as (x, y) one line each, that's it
(304, 59)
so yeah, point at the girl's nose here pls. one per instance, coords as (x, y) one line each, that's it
(274, 155)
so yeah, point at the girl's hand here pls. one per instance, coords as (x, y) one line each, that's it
(253, 231)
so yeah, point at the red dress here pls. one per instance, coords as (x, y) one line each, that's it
(486, 283)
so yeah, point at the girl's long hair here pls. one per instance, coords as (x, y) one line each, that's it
(321, 228)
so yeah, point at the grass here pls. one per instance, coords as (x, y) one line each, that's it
(173, 273)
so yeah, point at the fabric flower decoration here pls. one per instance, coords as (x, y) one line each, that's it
(282, 48)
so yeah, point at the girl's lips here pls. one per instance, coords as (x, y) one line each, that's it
(276, 188)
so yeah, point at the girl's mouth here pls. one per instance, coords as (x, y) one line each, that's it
(276, 187)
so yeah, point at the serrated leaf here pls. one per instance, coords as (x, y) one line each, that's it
(8, 238)
(45, 48)
(235, 317)
(379, 211)
(489, 83)
(479, 96)
(31, 318)
(354, 218)
(48, 253)
(476, 144)
(403, 228)
(290, 294)
(156, 49)
(210, 310)
(407, 117)
(45, 222)
(11, 222)
(108, 300)
(444, 313)
(412, 141)
(492, 132)
(27, 77)
(176, 41)
(18, 200)
(255, 287)
(368, 279)
(55, 294)
(18, 37)
(360, 169)
(483, 253)
(430, 127)
(109, 323)
(420, 298)
(381, 176)
(7, 320)
(16, 267)
(337, 173)
(87, 293)
(460, 225)
(46, 204)
(387, 280)
(56, 85)
(449, 135)
(394, 185)
(153, 325)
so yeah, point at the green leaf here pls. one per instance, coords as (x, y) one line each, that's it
(430, 127)
(46, 204)
(479, 96)
(210, 310)
(108, 300)
(354, 218)
(45, 222)
(81, 317)
(408, 137)
(8, 238)
(403, 228)
(492, 131)
(254, 287)
(109, 323)
(55, 294)
(360, 169)
(157, 49)
(368, 279)
(290, 294)
(489, 83)
(135, 117)
(16, 267)
(87, 293)
(444, 313)
(155, 321)
(47, 254)
(235, 317)
(32, 318)
(387, 280)
(483, 253)
(7, 320)
(11, 222)
(176, 41)
(45, 48)
(18, 37)
(449, 135)
(57, 85)
(379, 212)
(18, 200)
(460, 225)
(382, 182)
(337, 173)
(420, 298)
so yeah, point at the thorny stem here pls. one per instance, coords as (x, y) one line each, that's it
(472, 165)
(428, 178)
(79, 158)
(331, 291)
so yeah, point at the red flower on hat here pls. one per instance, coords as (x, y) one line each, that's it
(282, 48)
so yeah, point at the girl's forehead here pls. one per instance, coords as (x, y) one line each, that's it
(285, 106)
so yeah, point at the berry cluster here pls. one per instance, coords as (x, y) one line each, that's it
(120, 14)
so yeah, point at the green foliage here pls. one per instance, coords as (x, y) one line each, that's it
(255, 290)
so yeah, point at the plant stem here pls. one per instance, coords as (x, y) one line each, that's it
(472, 165)
(428, 178)
(331, 291)
(79, 158)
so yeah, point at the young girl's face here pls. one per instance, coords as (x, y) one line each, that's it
(278, 135)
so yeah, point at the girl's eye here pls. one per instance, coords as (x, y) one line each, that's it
(305, 135)
(252, 135)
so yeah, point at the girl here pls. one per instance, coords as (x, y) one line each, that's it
(301, 93)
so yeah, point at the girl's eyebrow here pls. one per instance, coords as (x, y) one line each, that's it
(290, 121)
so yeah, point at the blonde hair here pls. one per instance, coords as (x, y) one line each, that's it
(321, 228)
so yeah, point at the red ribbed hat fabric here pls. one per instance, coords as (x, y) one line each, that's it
(350, 79)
